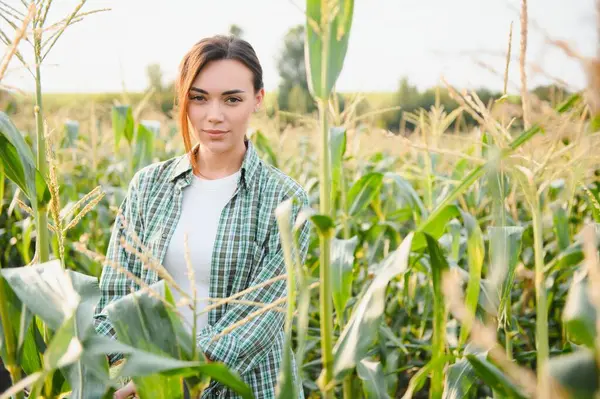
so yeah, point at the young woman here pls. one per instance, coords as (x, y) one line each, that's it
(223, 196)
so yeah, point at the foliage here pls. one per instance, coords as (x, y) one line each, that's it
(430, 263)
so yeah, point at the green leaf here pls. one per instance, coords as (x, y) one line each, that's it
(88, 376)
(263, 146)
(408, 193)
(122, 124)
(323, 223)
(337, 145)
(579, 315)
(342, 263)
(46, 290)
(454, 229)
(593, 202)
(65, 301)
(439, 266)
(328, 64)
(144, 322)
(475, 253)
(472, 177)
(71, 132)
(64, 349)
(505, 246)
(19, 321)
(19, 164)
(33, 345)
(418, 380)
(561, 228)
(286, 387)
(141, 363)
(362, 328)
(373, 380)
(2, 176)
(495, 378)
(461, 375)
(144, 145)
(380, 236)
(577, 373)
(434, 226)
(364, 191)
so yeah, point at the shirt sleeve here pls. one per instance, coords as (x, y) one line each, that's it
(246, 346)
(114, 285)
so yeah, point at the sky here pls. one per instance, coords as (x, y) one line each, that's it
(422, 40)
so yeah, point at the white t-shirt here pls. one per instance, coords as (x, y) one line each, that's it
(203, 202)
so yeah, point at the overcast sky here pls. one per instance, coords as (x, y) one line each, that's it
(420, 39)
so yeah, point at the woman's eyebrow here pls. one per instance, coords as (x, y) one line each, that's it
(225, 93)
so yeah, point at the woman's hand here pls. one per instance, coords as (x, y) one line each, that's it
(129, 389)
(126, 391)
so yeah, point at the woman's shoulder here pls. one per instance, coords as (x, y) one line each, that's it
(157, 173)
(281, 184)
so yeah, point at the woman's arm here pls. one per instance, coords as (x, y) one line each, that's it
(246, 346)
(114, 285)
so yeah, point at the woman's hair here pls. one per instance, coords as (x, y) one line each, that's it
(206, 50)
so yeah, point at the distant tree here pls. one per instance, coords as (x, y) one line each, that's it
(552, 93)
(236, 30)
(155, 77)
(163, 93)
(293, 94)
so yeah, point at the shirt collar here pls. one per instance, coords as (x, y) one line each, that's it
(250, 164)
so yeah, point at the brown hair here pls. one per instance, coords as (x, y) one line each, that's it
(203, 52)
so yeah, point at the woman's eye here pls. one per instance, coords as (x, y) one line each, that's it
(197, 98)
(233, 100)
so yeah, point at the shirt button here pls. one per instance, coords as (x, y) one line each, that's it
(164, 235)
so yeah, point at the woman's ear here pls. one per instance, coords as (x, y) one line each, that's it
(260, 96)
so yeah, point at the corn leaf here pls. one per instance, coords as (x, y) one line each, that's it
(145, 327)
(327, 22)
(19, 164)
(122, 124)
(363, 192)
(561, 227)
(373, 380)
(461, 377)
(439, 266)
(144, 146)
(505, 246)
(363, 326)
(342, 263)
(495, 378)
(577, 373)
(579, 315)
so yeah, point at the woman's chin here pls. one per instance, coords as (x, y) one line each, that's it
(218, 145)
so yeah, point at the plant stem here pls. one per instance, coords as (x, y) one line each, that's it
(324, 258)
(344, 204)
(541, 306)
(348, 387)
(41, 220)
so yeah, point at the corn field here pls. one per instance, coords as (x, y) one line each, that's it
(468, 270)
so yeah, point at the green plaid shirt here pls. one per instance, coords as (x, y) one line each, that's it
(247, 252)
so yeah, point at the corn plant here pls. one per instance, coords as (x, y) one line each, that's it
(74, 361)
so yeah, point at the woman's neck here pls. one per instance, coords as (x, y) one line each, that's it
(213, 165)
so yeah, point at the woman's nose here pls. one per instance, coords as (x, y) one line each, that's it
(214, 112)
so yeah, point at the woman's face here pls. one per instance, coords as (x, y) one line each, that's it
(222, 99)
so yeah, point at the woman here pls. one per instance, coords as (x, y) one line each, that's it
(224, 197)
